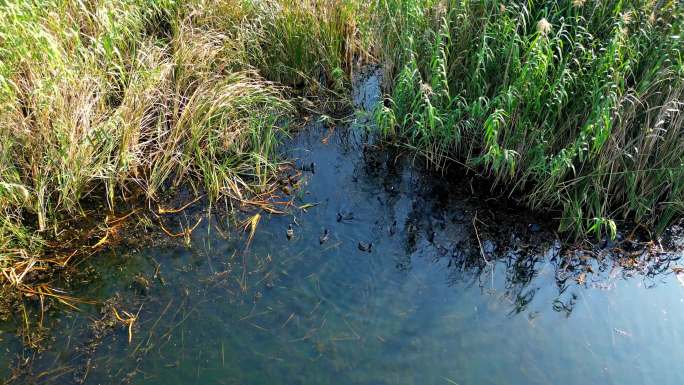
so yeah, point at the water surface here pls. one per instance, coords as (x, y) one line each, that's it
(456, 289)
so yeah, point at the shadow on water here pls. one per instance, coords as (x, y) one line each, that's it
(392, 277)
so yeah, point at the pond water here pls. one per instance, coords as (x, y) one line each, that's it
(455, 289)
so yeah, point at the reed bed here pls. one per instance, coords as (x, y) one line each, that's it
(574, 105)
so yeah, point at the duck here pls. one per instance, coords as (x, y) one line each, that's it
(363, 246)
(311, 167)
(431, 237)
(342, 216)
(393, 228)
(324, 237)
(290, 232)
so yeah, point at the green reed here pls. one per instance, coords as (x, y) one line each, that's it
(574, 105)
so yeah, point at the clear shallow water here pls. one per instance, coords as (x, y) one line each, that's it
(425, 306)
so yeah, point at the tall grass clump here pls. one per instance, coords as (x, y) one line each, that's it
(311, 44)
(106, 99)
(575, 105)
(101, 99)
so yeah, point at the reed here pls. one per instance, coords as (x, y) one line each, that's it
(573, 105)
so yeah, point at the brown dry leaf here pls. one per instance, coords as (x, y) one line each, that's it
(582, 278)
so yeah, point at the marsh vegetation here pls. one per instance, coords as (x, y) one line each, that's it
(326, 191)
(573, 106)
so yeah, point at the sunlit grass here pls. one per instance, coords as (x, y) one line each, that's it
(98, 99)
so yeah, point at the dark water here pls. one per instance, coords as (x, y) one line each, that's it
(458, 291)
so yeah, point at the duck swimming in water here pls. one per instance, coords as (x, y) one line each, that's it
(363, 246)
(393, 228)
(342, 216)
(324, 237)
(290, 232)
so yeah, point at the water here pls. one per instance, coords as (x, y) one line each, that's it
(456, 289)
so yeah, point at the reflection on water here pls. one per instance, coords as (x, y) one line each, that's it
(455, 290)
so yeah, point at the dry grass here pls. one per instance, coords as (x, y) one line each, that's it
(107, 104)
(102, 100)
